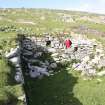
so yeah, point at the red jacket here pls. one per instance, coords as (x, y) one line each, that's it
(68, 43)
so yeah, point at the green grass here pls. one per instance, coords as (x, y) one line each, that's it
(90, 92)
(9, 95)
(98, 38)
(98, 27)
(53, 90)
(65, 88)
(9, 89)
(7, 74)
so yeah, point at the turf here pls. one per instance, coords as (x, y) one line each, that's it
(9, 89)
(65, 88)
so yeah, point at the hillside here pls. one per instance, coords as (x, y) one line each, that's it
(42, 20)
(13, 21)
(63, 88)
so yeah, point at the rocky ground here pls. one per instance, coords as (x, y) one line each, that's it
(32, 58)
(38, 59)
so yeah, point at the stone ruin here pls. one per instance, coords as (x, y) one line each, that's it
(32, 54)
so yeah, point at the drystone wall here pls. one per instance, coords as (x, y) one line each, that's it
(39, 60)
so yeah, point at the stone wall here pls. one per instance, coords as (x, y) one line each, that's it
(40, 60)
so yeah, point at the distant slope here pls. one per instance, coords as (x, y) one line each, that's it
(31, 21)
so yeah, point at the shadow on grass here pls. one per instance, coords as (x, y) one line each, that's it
(9, 99)
(53, 90)
(56, 89)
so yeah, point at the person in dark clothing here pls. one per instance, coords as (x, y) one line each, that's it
(75, 48)
(48, 42)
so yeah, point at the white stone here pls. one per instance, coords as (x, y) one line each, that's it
(92, 71)
(13, 52)
(72, 57)
(42, 71)
(64, 55)
(56, 59)
(17, 66)
(22, 98)
(102, 73)
(15, 60)
(18, 73)
(61, 46)
(52, 50)
(85, 59)
(34, 73)
(80, 68)
(99, 50)
(54, 54)
(18, 78)
(53, 65)
(95, 60)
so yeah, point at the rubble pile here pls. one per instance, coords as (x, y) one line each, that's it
(92, 59)
(39, 59)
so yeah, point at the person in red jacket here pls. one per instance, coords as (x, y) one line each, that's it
(68, 43)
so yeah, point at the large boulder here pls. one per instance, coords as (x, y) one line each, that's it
(36, 71)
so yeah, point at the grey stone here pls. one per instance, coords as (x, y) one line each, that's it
(53, 65)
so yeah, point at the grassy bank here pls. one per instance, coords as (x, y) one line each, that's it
(9, 89)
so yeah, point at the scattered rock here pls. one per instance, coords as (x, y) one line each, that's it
(18, 78)
(89, 54)
(102, 73)
(53, 65)
(52, 50)
(15, 60)
(22, 98)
